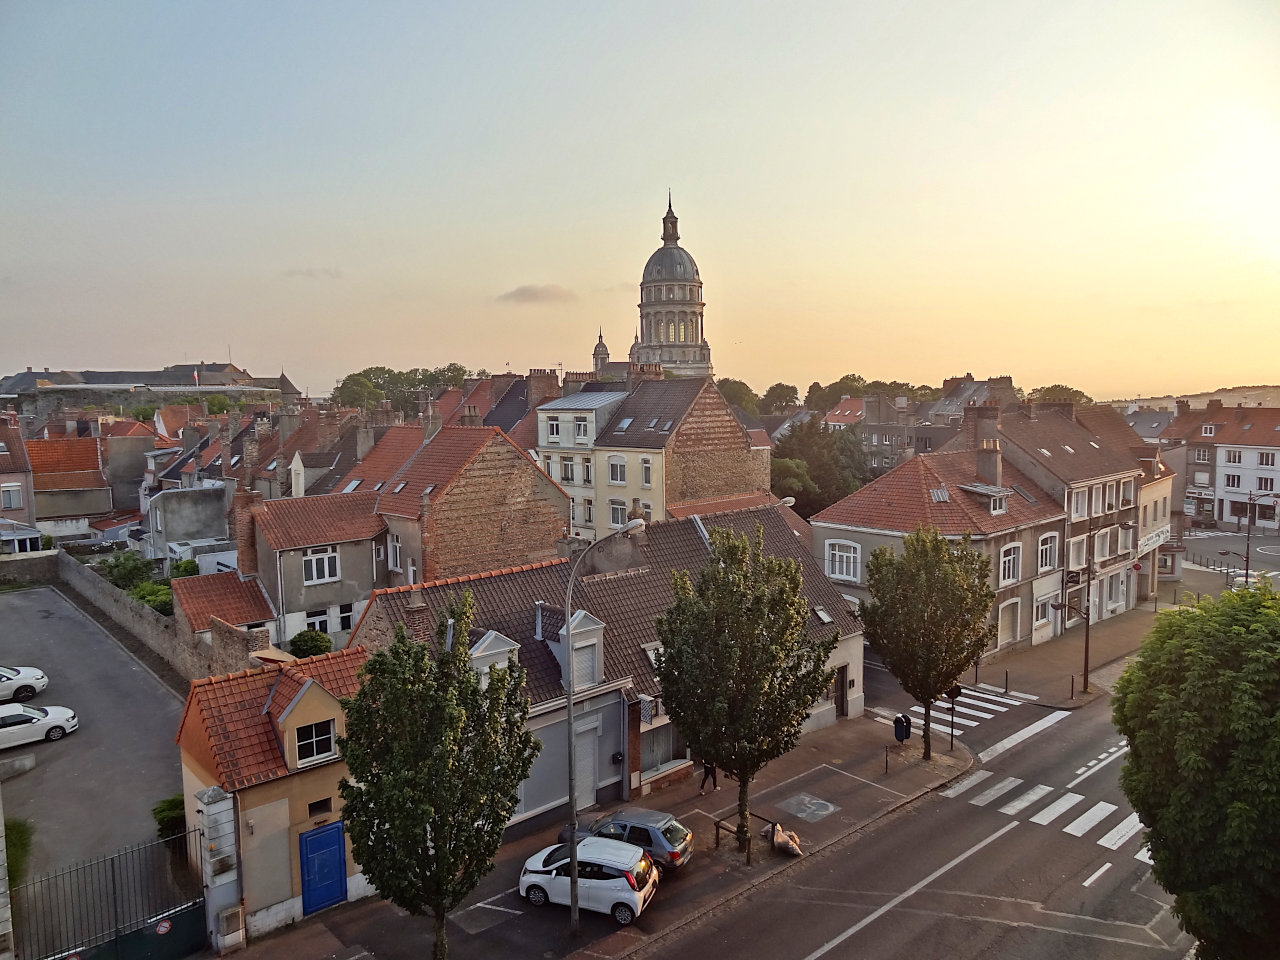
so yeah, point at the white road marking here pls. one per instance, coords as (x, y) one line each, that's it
(1023, 734)
(1100, 764)
(994, 697)
(1097, 873)
(1122, 832)
(973, 713)
(1089, 819)
(966, 783)
(915, 888)
(945, 714)
(975, 702)
(1001, 788)
(1012, 693)
(1024, 801)
(1144, 855)
(1057, 808)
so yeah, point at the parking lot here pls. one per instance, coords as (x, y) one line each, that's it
(91, 792)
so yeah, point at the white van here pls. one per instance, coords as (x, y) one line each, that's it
(613, 877)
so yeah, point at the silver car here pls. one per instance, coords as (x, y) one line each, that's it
(21, 683)
(668, 841)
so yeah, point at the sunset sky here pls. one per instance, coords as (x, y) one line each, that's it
(1085, 193)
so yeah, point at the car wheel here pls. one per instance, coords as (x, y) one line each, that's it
(55, 733)
(662, 871)
(23, 694)
(623, 913)
(536, 896)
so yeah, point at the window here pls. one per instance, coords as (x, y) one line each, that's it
(350, 487)
(315, 742)
(11, 496)
(617, 513)
(1010, 563)
(1109, 498)
(378, 551)
(999, 505)
(318, 620)
(1126, 493)
(1203, 454)
(320, 564)
(1200, 478)
(400, 486)
(617, 470)
(1048, 553)
(1113, 588)
(646, 472)
(1206, 430)
(1232, 480)
(393, 546)
(553, 429)
(1267, 459)
(587, 475)
(546, 464)
(588, 511)
(413, 570)
(1233, 456)
(1266, 484)
(573, 510)
(646, 511)
(346, 616)
(1164, 507)
(318, 808)
(1097, 499)
(1042, 610)
(566, 469)
(1076, 554)
(580, 429)
(844, 560)
(1126, 540)
(1079, 503)
(1144, 514)
(1102, 544)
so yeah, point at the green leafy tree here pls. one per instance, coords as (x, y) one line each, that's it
(157, 596)
(928, 618)
(217, 404)
(790, 478)
(357, 393)
(436, 757)
(739, 673)
(739, 394)
(310, 643)
(1058, 391)
(127, 569)
(816, 446)
(779, 398)
(143, 414)
(1200, 707)
(184, 568)
(816, 398)
(851, 459)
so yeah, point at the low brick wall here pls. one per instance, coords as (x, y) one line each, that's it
(29, 568)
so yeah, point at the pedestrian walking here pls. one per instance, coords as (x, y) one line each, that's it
(708, 773)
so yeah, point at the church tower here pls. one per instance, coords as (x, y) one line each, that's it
(671, 309)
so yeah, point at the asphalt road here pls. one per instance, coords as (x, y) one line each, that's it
(973, 875)
(91, 792)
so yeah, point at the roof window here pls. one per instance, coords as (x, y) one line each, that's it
(377, 486)
(1094, 445)
(351, 486)
(399, 486)
(1045, 452)
(272, 464)
(667, 426)
(626, 422)
(1068, 449)
(430, 487)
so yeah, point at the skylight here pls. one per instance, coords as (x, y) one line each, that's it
(667, 427)
(653, 423)
(235, 459)
(272, 464)
(1045, 452)
(399, 486)
(377, 486)
(1068, 449)
(823, 615)
(626, 422)
(430, 487)
(351, 486)
(1094, 445)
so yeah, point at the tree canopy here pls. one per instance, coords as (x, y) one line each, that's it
(436, 756)
(402, 387)
(310, 643)
(779, 398)
(1058, 391)
(928, 616)
(358, 393)
(1200, 707)
(815, 445)
(790, 478)
(739, 673)
(739, 394)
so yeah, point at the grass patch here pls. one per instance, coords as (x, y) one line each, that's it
(17, 841)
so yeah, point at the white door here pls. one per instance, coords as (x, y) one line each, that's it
(558, 885)
(584, 755)
(18, 728)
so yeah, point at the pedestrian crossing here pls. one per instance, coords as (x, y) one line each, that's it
(975, 705)
(1055, 813)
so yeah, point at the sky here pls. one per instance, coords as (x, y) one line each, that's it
(1083, 193)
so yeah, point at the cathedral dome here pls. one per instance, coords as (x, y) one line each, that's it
(670, 263)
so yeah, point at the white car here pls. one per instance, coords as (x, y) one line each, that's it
(21, 683)
(21, 724)
(613, 877)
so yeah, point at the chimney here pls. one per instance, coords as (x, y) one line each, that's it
(573, 383)
(471, 415)
(259, 639)
(501, 383)
(243, 506)
(537, 623)
(990, 467)
(415, 599)
(1214, 405)
(28, 369)
(282, 474)
(290, 421)
(1064, 407)
(190, 438)
(364, 441)
(430, 420)
(249, 458)
(638, 373)
(544, 385)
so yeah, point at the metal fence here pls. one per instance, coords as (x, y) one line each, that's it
(93, 908)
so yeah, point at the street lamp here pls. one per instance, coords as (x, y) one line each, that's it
(630, 527)
(1088, 597)
(1251, 499)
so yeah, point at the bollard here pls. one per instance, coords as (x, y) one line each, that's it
(886, 761)
(1006, 681)
(975, 673)
(1073, 686)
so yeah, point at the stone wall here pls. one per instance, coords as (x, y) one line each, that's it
(710, 454)
(29, 568)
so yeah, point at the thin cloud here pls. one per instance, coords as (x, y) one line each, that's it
(539, 293)
(314, 273)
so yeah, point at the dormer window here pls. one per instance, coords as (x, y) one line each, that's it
(999, 505)
(315, 742)
(1206, 430)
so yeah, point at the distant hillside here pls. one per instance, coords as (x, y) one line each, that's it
(1258, 396)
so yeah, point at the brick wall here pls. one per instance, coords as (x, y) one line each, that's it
(500, 511)
(24, 568)
(710, 454)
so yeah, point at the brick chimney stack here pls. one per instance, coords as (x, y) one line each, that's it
(471, 415)
(431, 421)
(243, 506)
(638, 373)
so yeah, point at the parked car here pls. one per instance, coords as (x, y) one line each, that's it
(21, 724)
(613, 877)
(668, 842)
(21, 683)
(1255, 579)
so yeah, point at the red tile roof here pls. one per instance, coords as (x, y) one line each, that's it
(433, 467)
(1247, 426)
(14, 457)
(222, 595)
(847, 411)
(388, 455)
(175, 416)
(63, 456)
(525, 433)
(71, 480)
(225, 724)
(121, 518)
(448, 403)
(720, 504)
(295, 522)
(127, 428)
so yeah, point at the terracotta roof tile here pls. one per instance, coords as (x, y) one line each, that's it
(388, 455)
(294, 522)
(848, 411)
(64, 456)
(1247, 426)
(72, 480)
(433, 467)
(222, 595)
(14, 457)
(721, 504)
(175, 416)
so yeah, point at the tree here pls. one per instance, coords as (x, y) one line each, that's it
(739, 394)
(1058, 391)
(928, 616)
(358, 393)
(143, 414)
(816, 446)
(851, 459)
(217, 404)
(127, 569)
(816, 398)
(310, 643)
(157, 596)
(436, 757)
(1199, 707)
(779, 398)
(738, 671)
(184, 568)
(790, 478)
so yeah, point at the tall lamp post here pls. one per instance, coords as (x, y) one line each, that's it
(1087, 613)
(1252, 498)
(631, 527)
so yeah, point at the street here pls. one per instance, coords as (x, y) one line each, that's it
(1035, 854)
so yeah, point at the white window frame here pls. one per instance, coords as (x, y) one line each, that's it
(11, 496)
(1234, 456)
(1010, 564)
(588, 475)
(844, 560)
(1078, 553)
(1047, 552)
(999, 505)
(1231, 481)
(1267, 458)
(1095, 498)
(1266, 484)
(553, 429)
(1109, 497)
(1102, 544)
(320, 565)
(1079, 503)
(618, 471)
(617, 513)
(1206, 430)
(314, 736)
(1043, 611)
(1126, 493)
(567, 470)
(394, 556)
(588, 510)
(1126, 539)
(1203, 455)
(580, 430)
(646, 472)
(318, 620)
(646, 511)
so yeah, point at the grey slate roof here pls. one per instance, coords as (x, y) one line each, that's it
(650, 413)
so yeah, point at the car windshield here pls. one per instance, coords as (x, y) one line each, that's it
(675, 833)
(8, 672)
(555, 855)
(40, 712)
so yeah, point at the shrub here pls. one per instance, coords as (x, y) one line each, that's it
(170, 817)
(184, 568)
(143, 414)
(310, 643)
(127, 570)
(46, 542)
(157, 596)
(17, 842)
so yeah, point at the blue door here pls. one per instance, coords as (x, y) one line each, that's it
(324, 867)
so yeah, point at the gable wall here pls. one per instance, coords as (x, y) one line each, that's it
(710, 455)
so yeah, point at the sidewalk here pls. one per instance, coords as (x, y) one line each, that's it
(832, 785)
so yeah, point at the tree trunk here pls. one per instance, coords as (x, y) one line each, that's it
(928, 744)
(744, 815)
(441, 949)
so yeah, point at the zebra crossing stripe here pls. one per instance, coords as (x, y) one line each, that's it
(966, 783)
(944, 716)
(1057, 808)
(994, 697)
(1144, 855)
(1001, 788)
(971, 712)
(974, 702)
(1012, 693)
(1023, 734)
(1024, 801)
(1089, 819)
(1122, 832)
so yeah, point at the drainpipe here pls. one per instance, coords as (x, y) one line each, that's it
(283, 607)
